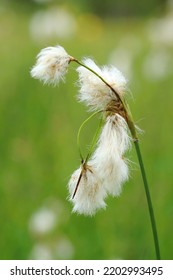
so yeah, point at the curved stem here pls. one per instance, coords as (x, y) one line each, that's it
(94, 141)
(79, 132)
(84, 162)
(100, 77)
(149, 201)
(127, 111)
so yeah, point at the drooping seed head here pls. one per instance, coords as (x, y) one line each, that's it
(51, 65)
(93, 91)
(90, 194)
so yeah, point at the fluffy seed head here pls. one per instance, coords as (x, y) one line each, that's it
(118, 173)
(90, 194)
(51, 65)
(93, 91)
(108, 156)
(114, 138)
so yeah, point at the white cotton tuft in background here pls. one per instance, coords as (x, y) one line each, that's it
(42, 221)
(56, 22)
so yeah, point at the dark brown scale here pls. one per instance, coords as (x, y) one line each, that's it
(116, 107)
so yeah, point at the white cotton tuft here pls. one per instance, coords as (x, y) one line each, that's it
(108, 156)
(93, 91)
(51, 65)
(120, 127)
(117, 175)
(114, 137)
(105, 172)
(115, 78)
(90, 194)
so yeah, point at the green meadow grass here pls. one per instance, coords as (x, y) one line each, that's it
(38, 129)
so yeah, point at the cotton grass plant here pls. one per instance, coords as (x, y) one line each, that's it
(105, 168)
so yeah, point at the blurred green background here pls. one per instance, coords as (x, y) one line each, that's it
(39, 124)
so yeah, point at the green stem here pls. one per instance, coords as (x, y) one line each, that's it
(149, 201)
(100, 77)
(94, 141)
(132, 128)
(79, 132)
